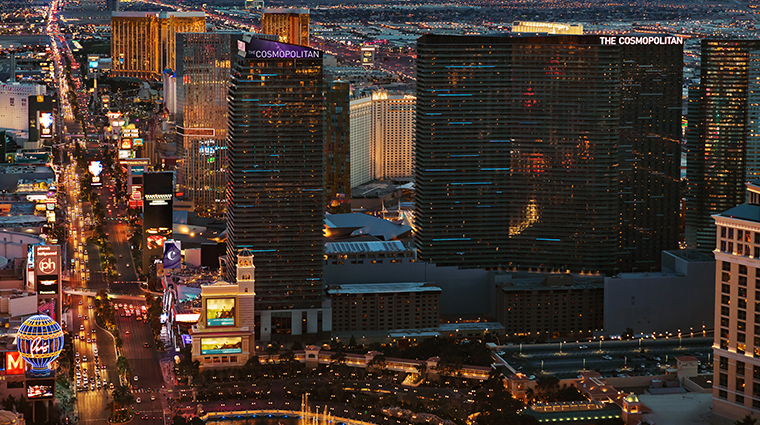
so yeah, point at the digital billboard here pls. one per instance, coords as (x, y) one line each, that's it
(40, 388)
(222, 345)
(125, 154)
(47, 285)
(45, 124)
(126, 143)
(220, 312)
(158, 191)
(137, 142)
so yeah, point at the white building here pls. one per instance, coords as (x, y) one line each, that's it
(225, 333)
(14, 107)
(382, 137)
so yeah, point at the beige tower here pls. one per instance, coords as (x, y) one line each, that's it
(246, 294)
(225, 334)
(290, 25)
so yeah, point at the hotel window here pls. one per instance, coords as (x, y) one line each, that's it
(723, 380)
(726, 289)
(740, 368)
(722, 231)
(726, 277)
(742, 269)
(727, 267)
(730, 232)
(740, 235)
(743, 280)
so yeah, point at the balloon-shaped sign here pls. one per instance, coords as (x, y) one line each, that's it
(40, 341)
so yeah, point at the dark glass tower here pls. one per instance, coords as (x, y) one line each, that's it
(722, 138)
(519, 142)
(275, 172)
(337, 144)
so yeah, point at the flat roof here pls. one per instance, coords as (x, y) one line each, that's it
(382, 288)
(364, 247)
(691, 255)
(470, 326)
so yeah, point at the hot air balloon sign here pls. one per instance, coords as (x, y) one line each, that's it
(40, 341)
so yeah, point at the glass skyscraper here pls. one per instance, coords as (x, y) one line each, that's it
(519, 148)
(276, 174)
(203, 80)
(723, 138)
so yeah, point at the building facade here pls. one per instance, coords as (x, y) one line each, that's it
(225, 333)
(382, 137)
(384, 306)
(552, 306)
(534, 169)
(202, 78)
(275, 180)
(290, 25)
(143, 44)
(337, 145)
(546, 28)
(736, 350)
(723, 135)
(14, 107)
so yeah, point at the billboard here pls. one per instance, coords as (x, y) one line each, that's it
(40, 389)
(14, 363)
(47, 259)
(172, 254)
(126, 144)
(45, 122)
(222, 345)
(47, 285)
(137, 142)
(220, 312)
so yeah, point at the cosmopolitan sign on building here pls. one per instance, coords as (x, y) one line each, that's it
(642, 39)
(264, 49)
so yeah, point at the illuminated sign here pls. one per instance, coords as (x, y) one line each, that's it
(187, 339)
(14, 363)
(220, 312)
(126, 143)
(172, 254)
(45, 124)
(93, 64)
(40, 341)
(47, 259)
(137, 142)
(155, 241)
(222, 345)
(187, 318)
(627, 40)
(264, 49)
(40, 389)
(47, 285)
(125, 154)
(95, 168)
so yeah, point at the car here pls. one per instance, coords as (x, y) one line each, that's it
(583, 347)
(138, 400)
(80, 316)
(152, 397)
(84, 359)
(146, 345)
(127, 264)
(77, 354)
(90, 307)
(607, 357)
(119, 254)
(86, 318)
(135, 378)
(80, 302)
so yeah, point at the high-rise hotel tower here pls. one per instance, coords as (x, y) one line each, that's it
(559, 152)
(275, 178)
(723, 138)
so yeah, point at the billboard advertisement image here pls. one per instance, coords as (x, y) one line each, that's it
(220, 312)
(45, 124)
(222, 345)
(47, 259)
(39, 389)
(47, 285)
(14, 363)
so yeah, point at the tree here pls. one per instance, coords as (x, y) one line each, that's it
(628, 334)
(747, 420)
(338, 358)
(377, 362)
(296, 346)
(272, 351)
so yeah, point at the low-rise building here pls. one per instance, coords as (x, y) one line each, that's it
(551, 306)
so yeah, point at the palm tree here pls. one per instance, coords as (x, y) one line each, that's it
(378, 362)
(747, 420)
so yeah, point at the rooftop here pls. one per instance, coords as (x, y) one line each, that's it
(364, 247)
(749, 212)
(382, 288)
